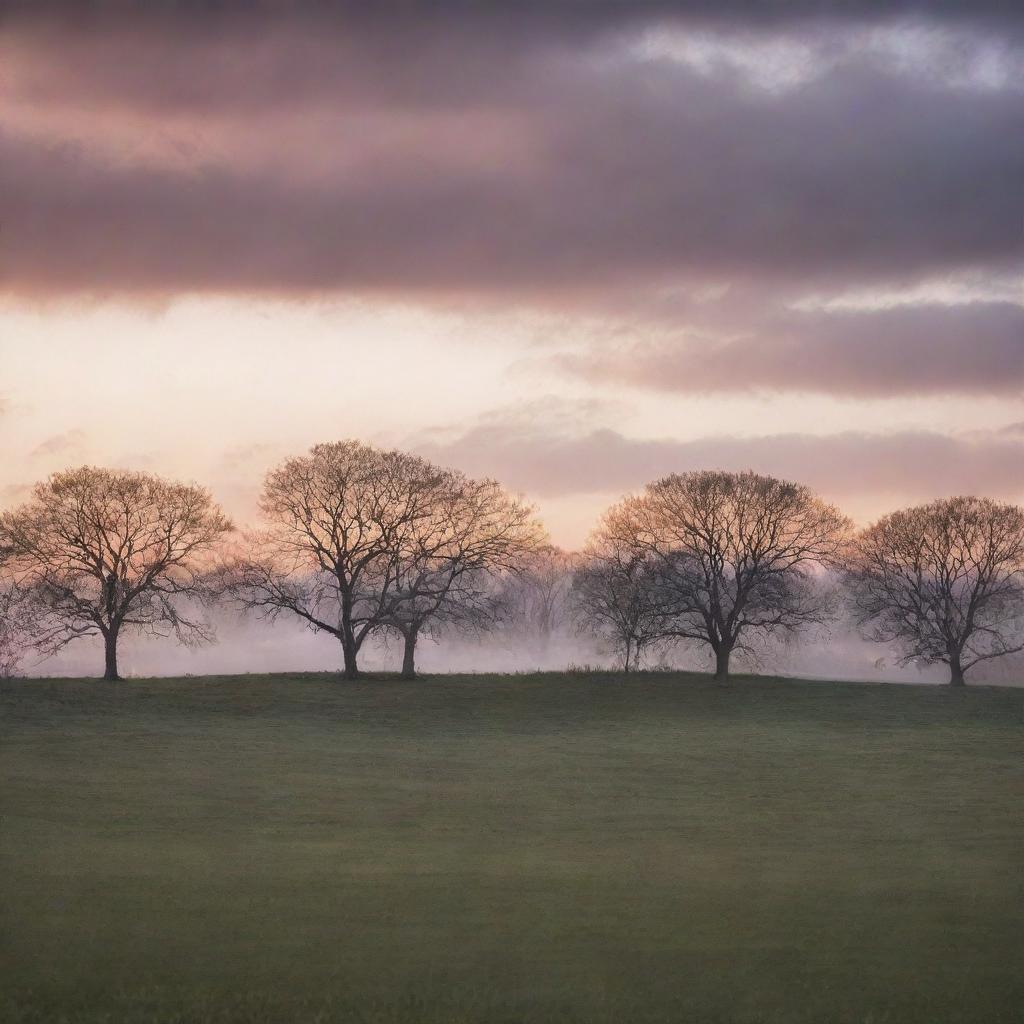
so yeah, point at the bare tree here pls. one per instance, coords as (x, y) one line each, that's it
(338, 518)
(22, 628)
(100, 550)
(449, 560)
(735, 555)
(615, 596)
(537, 600)
(943, 581)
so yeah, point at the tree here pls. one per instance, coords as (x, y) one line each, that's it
(100, 550)
(337, 520)
(537, 600)
(615, 596)
(449, 560)
(734, 555)
(943, 581)
(21, 628)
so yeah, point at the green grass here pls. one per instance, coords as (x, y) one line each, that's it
(531, 848)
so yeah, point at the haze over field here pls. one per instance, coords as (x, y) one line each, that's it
(574, 250)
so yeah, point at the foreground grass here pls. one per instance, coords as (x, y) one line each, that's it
(535, 848)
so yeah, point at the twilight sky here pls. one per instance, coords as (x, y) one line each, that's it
(574, 247)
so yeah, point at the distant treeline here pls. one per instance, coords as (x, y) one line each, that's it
(357, 541)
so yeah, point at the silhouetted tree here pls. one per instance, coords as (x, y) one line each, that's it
(338, 519)
(944, 582)
(615, 596)
(448, 561)
(99, 550)
(733, 554)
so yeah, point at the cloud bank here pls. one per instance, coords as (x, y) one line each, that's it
(583, 157)
(540, 458)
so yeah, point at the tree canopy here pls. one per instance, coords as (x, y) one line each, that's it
(944, 582)
(732, 554)
(100, 550)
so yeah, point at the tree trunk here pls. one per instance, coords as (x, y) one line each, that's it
(347, 636)
(110, 656)
(409, 655)
(722, 663)
(349, 652)
(956, 672)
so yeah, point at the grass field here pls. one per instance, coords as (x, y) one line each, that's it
(533, 848)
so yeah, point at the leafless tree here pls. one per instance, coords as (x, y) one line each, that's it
(100, 550)
(943, 581)
(22, 627)
(735, 555)
(537, 600)
(337, 520)
(449, 561)
(615, 596)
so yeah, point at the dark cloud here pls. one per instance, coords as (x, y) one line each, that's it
(904, 466)
(566, 11)
(439, 56)
(910, 349)
(474, 163)
(580, 156)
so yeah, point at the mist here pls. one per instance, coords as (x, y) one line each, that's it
(245, 645)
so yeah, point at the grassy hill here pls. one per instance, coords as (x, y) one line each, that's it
(526, 848)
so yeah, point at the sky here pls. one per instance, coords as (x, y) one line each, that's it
(574, 247)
